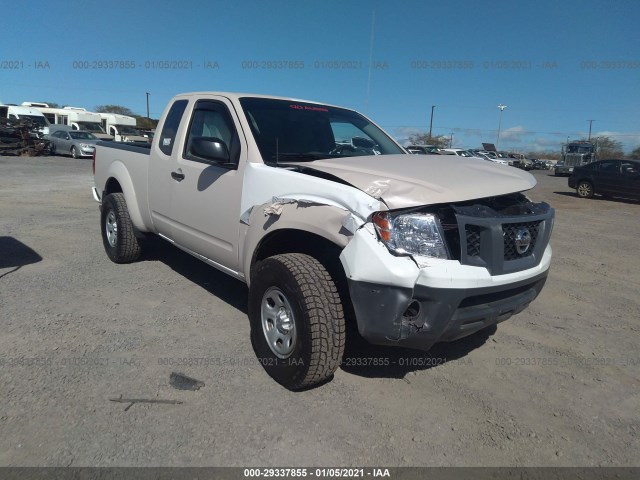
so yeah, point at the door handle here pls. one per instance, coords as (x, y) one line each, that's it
(179, 176)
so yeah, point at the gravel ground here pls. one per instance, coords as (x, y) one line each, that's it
(556, 385)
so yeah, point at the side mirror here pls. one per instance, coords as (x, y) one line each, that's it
(210, 148)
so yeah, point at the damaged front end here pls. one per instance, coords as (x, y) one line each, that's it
(438, 273)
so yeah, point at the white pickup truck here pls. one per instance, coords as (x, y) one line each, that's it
(328, 220)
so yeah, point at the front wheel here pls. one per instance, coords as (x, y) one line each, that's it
(118, 237)
(584, 189)
(74, 152)
(297, 320)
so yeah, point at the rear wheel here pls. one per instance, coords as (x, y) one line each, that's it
(297, 320)
(584, 189)
(120, 242)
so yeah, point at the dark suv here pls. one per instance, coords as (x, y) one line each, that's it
(615, 178)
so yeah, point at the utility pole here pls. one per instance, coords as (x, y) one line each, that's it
(450, 139)
(501, 107)
(431, 121)
(590, 122)
(148, 106)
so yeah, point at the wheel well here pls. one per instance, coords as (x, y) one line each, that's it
(296, 241)
(325, 251)
(112, 186)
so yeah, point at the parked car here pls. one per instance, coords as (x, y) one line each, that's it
(460, 152)
(615, 178)
(539, 164)
(486, 156)
(77, 143)
(423, 149)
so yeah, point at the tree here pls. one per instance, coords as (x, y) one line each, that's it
(114, 109)
(53, 104)
(607, 147)
(441, 141)
(146, 123)
(635, 154)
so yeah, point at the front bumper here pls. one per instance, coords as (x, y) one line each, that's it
(563, 170)
(420, 317)
(401, 302)
(86, 151)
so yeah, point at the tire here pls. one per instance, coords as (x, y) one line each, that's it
(584, 189)
(120, 242)
(74, 152)
(294, 302)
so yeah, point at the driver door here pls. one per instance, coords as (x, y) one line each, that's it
(206, 196)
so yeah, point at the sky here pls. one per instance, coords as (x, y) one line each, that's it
(554, 64)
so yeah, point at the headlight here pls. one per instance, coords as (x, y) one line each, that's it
(411, 234)
(86, 145)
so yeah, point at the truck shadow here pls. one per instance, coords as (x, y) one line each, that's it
(373, 361)
(567, 194)
(360, 357)
(14, 254)
(219, 284)
(601, 198)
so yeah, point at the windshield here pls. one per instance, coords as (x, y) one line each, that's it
(91, 127)
(82, 135)
(579, 149)
(36, 119)
(305, 131)
(126, 130)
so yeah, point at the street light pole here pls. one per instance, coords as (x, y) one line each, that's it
(148, 106)
(450, 139)
(501, 107)
(431, 121)
(590, 122)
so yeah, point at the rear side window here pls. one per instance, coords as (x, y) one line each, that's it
(171, 124)
(610, 167)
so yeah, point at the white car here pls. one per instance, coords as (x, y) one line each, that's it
(461, 152)
(484, 156)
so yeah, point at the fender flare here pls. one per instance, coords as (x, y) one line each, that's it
(118, 171)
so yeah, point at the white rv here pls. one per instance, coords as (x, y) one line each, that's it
(122, 127)
(75, 117)
(17, 112)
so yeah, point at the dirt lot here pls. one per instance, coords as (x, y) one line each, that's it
(556, 385)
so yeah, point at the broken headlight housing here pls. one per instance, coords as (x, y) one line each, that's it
(411, 234)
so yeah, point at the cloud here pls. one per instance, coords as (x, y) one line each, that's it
(514, 134)
(518, 138)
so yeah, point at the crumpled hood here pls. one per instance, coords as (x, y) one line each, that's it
(403, 181)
